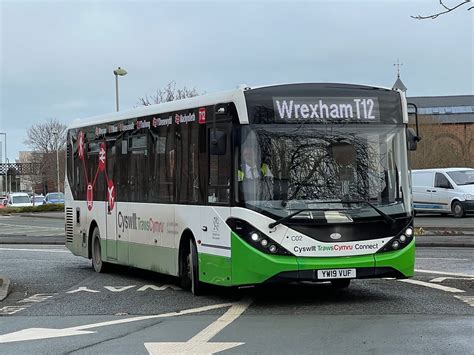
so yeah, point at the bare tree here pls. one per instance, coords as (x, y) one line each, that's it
(445, 11)
(43, 141)
(168, 93)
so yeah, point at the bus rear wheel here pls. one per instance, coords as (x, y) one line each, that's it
(97, 263)
(342, 283)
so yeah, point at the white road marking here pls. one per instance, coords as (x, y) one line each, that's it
(159, 288)
(47, 333)
(82, 289)
(40, 250)
(26, 302)
(436, 286)
(441, 279)
(9, 310)
(199, 343)
(443, 273)
(118, 289)
(39, 297)
(467, 299)
(228, 317)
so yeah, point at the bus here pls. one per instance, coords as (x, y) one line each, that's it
(282, 183)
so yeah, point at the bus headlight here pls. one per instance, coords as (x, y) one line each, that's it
(255, 238)
(400, 240)
(272, 248)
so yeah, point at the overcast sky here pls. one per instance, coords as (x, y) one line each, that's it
(57, 57)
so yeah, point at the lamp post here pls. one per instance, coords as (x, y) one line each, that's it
(6, 157)
(117, 72)
(56, 133)
(7, 185)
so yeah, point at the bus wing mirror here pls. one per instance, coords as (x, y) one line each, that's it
(217, 142)
(412, 139)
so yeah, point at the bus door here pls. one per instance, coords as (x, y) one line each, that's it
(110, 200)
(219, 183)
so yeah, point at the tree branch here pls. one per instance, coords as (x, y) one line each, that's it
(447, 9)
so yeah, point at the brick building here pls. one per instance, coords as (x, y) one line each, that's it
(447, 131)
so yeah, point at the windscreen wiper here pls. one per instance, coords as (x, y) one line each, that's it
(385, 216)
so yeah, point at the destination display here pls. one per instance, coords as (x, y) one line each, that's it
(326, 108)
(323, 104)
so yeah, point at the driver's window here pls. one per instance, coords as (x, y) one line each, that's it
(219, 167)
(442, 182)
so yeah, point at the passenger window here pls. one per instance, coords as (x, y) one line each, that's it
(442, 182)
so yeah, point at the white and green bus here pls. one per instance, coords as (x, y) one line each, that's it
(268, 184)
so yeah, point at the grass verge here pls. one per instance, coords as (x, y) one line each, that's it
(53, 207)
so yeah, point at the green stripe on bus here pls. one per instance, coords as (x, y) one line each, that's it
(215, 269)
(403, 260)
(250, 266)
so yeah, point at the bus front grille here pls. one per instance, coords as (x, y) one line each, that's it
(69, 225)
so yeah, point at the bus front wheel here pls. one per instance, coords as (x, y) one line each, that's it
(97, 263)
(191, 274)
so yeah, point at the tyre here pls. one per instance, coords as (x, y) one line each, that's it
(457, 209)
(197, 287)
(97, 263)
(342, 283)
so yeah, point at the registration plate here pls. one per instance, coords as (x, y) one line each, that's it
(337, 274)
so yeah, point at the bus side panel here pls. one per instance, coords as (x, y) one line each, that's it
(151, 236)
(214, 246)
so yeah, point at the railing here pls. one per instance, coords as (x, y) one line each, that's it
(19, 169)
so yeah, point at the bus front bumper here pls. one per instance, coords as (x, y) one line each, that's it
(250, 266)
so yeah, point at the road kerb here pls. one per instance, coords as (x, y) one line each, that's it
(4, 287)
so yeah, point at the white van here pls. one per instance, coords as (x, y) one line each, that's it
(18, 199)
(444, 190)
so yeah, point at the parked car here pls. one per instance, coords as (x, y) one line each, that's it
(18, 199)
(54, 197)
(3, 201)
(37, 200)
(444, 191)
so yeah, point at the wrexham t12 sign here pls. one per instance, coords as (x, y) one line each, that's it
(325, 109)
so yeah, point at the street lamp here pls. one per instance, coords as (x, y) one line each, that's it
(6, 157)
(55, 132)
(117, 72)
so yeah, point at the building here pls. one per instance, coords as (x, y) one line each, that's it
(447, 131)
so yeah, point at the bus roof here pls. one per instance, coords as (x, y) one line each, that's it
(236, 96)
